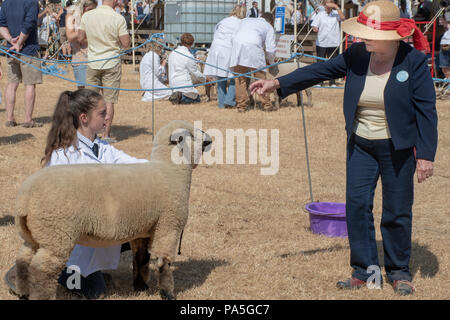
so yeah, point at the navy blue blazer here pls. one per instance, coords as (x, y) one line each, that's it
(409, 95)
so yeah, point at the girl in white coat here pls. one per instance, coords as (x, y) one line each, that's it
(151, 68)
(78, 118)
(219, 55)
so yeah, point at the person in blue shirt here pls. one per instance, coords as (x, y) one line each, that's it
(18, 25)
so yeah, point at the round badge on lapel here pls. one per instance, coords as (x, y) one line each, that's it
(402, 76)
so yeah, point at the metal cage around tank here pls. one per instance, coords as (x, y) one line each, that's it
(197, 17)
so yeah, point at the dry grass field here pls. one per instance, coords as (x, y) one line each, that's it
(248, 235)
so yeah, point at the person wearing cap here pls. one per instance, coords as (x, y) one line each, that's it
(391, 124)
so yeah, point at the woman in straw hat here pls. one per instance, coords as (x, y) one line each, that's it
(391, 124)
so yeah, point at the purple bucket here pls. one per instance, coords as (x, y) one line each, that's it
(327, 218)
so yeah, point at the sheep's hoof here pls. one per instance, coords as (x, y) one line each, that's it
(140, 286)
(166, 296)
(21, 297)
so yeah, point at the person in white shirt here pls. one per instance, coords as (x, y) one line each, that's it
(253, 48)
(326, 24)
(78, 118)
(444, 54)
(254, 11)
(404, 10)
(152, 69)
(183, 72)
(298, 16)
(219, 55)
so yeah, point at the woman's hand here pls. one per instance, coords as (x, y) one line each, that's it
(262, 87)
(424, 169)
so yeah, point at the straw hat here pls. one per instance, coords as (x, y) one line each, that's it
(376, 11)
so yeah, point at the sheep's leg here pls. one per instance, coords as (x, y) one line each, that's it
(141, 258)
(165, 279)
(309, 95)
(43, 272)
(23, 260)
(277, 101)
(208, 92)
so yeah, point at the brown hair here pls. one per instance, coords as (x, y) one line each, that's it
(187, 39)
(268, 17)
(63, 132)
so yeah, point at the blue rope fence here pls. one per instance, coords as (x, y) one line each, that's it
(56, 72)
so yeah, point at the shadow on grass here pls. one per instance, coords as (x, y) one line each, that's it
(4, 221)
(314, 251)
(187, 274)
(193, 273)
(15, 138)
(43, 119)
(125, 132)
(422, 260)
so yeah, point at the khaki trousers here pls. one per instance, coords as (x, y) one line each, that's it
(242, 84)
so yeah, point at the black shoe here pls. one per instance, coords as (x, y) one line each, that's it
(91, 287)
(175, 98)
(228, 106)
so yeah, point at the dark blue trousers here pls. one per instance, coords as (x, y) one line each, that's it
(367, 160)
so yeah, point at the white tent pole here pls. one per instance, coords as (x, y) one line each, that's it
(132, 34)
(295, 25)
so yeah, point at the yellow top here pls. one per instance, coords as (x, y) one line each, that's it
(103, 27)
(370, 121)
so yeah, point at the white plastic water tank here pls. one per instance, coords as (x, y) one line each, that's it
(198, 17)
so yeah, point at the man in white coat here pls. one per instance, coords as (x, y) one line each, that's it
(183, 71)
(254, 35)
(219, 55)
(153, 74)
(327, 25)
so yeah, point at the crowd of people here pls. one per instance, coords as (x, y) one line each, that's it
(389, 135)
(242, 43)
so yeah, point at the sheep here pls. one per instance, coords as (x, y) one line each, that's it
(202, 55)
(283, 69)
(146, 204)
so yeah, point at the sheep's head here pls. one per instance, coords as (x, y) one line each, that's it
(186, 143)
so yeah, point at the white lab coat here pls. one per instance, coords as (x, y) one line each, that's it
(220, 52)
(183, 71)
(146, 77)
(254, 35)
(90, 260)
